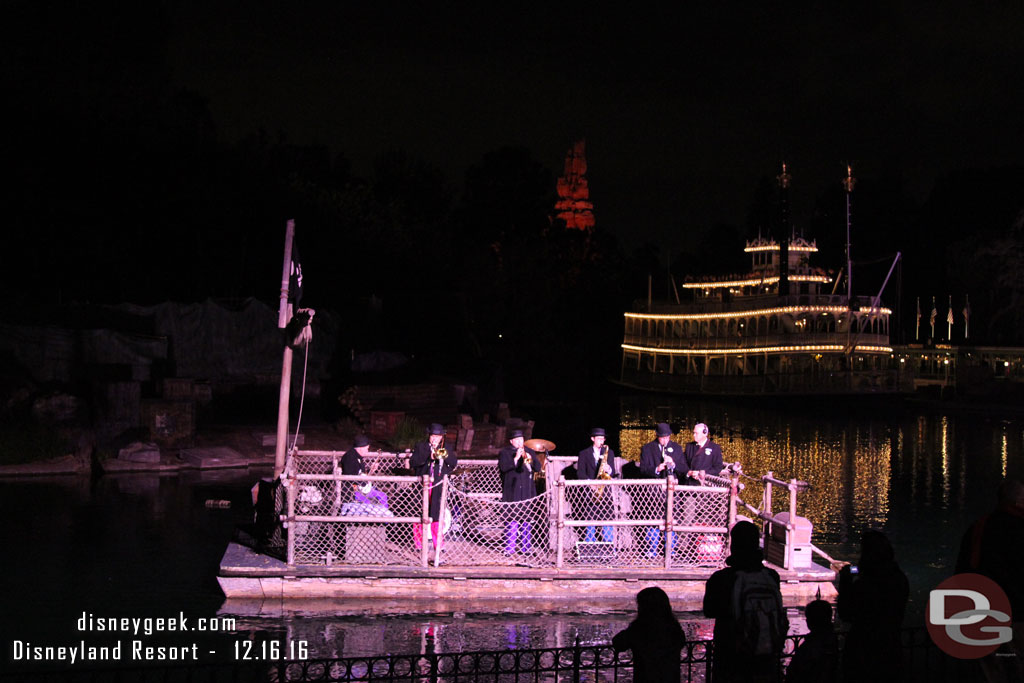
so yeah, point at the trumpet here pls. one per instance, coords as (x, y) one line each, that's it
(525, 455)
(439, 453)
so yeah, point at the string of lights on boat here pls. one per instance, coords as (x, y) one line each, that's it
(755, 281)
(772, 246)
(835, 310)
(813, 348)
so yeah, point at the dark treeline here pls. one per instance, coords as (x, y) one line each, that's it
(124, 191)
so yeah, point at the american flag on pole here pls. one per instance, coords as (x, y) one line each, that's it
(931, 319)
(917, 326)
(949, 318)
(967, 314)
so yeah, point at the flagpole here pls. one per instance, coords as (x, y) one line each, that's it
(949, 319)
(931, 318)
(967, 313)
(917, 325)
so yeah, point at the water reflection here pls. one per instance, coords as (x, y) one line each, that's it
(146, 545)
(847, 464)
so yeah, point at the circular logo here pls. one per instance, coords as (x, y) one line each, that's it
(968, 616)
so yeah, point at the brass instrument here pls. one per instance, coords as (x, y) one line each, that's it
(439, 453)
(602, 468)
(602, 472)
(542, 447)
(525, 455)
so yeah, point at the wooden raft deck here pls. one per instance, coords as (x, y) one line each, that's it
(249, 575)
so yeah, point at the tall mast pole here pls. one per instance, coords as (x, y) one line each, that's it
(848, 184)
(284, 314)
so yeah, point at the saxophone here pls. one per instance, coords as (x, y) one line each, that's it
(602, 472)
(602, 467)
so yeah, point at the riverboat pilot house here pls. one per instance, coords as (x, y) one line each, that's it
(775, 330)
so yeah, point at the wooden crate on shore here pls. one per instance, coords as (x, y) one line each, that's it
(383, 423)
(169, 422)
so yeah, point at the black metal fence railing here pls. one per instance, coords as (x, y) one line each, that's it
(922, 662)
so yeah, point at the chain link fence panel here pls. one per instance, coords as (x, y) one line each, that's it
(487, 531)
(375, 462)
(375, 520)
(356, 519)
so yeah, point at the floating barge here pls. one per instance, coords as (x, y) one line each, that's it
(342, 547)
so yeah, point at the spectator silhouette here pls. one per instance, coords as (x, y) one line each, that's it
(873, 601)
(817, 658)
(994, 547)
(654, 637)
(732, 660)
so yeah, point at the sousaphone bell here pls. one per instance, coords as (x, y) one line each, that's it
(542, 447)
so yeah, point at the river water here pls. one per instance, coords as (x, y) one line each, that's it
(147, 546)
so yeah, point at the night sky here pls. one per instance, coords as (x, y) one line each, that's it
(683, 109)
(160, 148)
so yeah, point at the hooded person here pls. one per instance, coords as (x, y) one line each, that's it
(748, 635)
(655, 638)
(874, 602)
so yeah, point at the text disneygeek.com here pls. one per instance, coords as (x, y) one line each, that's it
(139, 650)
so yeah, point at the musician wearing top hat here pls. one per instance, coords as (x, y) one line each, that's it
(597, 462)
(517, 464)
(352, 464)
(658, 460)
(431, 457)
(663, 456)
(352, 461)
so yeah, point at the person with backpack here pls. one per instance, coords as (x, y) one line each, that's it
(655, 638)
(745, 601)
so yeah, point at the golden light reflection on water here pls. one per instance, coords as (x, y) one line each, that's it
(848, 470)
(1003, 452)
(945, 460)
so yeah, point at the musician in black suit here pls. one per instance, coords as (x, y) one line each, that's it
(592, 463)
(517, 463)
(658, 460)
(352, 461)
(703, 456)
(432, 458)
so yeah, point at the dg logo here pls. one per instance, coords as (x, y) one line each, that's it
(968, 616)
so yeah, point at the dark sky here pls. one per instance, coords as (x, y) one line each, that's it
(683, 110)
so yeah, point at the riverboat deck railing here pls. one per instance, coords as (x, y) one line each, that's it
(384, 519)
(757, 343)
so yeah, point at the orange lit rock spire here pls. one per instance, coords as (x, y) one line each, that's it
(573, 205)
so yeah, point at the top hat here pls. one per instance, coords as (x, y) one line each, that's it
(663, 429)
(436, 429)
